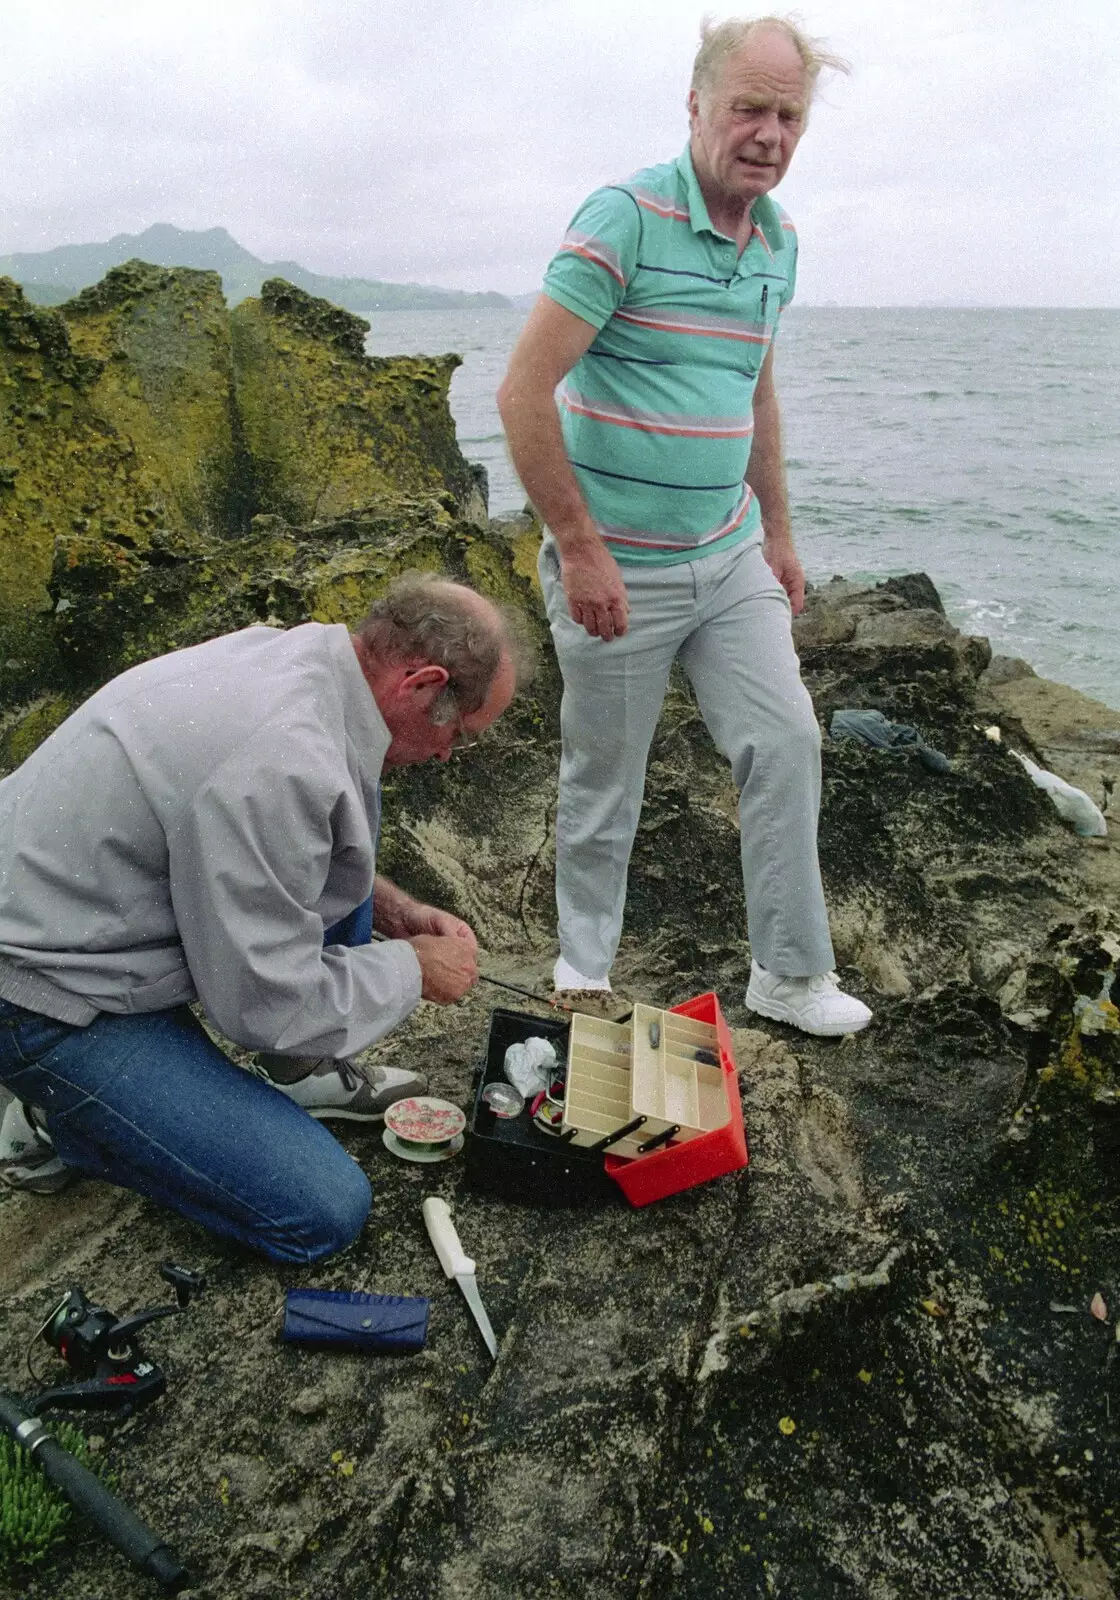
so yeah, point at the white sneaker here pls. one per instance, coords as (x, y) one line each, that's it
(565, 976)
(27, 1158)
(815, 1005)
(355, 1094)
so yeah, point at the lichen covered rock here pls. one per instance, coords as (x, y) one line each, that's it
(165, 388)
(114, 423)
(115, 606)
(328, 428)
(142, 426)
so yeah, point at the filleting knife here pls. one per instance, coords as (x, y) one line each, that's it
(456, 1264)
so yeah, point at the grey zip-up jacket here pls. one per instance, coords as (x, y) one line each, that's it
(189, 832)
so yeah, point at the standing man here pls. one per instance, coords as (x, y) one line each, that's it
(205, 827)
(662, 487)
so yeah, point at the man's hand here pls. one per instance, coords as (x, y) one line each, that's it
(442, 925)
(782, 559)
(448, 967)
(552, 341)
(766, 475)
(595, 591)
(398, 916)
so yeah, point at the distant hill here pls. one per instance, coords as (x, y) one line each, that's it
(51, 276)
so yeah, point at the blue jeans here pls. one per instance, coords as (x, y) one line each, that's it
(150, 1103)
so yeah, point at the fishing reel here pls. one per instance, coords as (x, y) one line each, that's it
(111, 1371)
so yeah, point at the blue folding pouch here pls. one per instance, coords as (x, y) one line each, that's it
(382, 1324)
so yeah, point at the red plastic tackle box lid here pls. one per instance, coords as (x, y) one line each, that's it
(710, 1155)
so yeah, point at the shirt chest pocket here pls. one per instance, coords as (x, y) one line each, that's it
(701, 321)
(757, 298)
(763, 293)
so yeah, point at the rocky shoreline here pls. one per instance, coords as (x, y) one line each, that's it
(866, 1368)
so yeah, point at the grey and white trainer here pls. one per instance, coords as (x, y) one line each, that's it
(27, 1155)
(344, 1090)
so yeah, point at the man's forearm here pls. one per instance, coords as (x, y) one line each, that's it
(536, 445)
(392, 909)
(766, 472)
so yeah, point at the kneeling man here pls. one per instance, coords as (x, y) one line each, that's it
(205, 828)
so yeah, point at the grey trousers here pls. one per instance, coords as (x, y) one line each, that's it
(726, 619)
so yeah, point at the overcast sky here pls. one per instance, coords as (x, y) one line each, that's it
(972, 157)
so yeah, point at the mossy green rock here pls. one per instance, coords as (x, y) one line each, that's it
(114, 422)
(143, 427)
(327, 427)
(116, 606)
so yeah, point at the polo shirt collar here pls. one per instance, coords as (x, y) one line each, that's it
(698, 206)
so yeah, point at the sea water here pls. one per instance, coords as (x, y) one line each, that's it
(979, 446)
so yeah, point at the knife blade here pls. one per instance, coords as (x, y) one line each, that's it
(457, 1264)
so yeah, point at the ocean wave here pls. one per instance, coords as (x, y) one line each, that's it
(989, 610)
(1073, 519)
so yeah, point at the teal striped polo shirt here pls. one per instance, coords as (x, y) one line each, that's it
(657, 415)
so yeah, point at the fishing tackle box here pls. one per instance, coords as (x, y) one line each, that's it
(690, 1108)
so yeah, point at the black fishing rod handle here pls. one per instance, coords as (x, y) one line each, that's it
(89, 1495)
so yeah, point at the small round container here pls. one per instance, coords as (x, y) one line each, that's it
(503, 1099)
(419, 1152)
(424, 1127)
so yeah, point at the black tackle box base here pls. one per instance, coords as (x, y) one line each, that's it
(510, 1156)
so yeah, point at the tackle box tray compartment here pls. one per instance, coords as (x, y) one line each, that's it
(708, 1153)
(617, 1073)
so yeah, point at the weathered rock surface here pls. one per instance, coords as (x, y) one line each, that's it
(870, 1368)
(328, 428)
(142, 422)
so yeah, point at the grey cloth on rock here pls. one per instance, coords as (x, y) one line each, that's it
(189, 832)
(873, 728)
(726, 618)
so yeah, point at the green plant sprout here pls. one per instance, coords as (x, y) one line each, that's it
(34, 1516)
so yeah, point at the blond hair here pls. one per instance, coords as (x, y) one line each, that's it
(720, 40)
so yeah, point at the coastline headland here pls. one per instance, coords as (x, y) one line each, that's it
(867, 1367)
(51, 277)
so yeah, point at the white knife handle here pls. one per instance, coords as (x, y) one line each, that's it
(441, 1231)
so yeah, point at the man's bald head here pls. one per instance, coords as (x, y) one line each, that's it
(424, 618)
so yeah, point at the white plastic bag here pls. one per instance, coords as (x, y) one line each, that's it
(530, 1066)
(1072, 805)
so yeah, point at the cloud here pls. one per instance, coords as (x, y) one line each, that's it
(971, 156)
